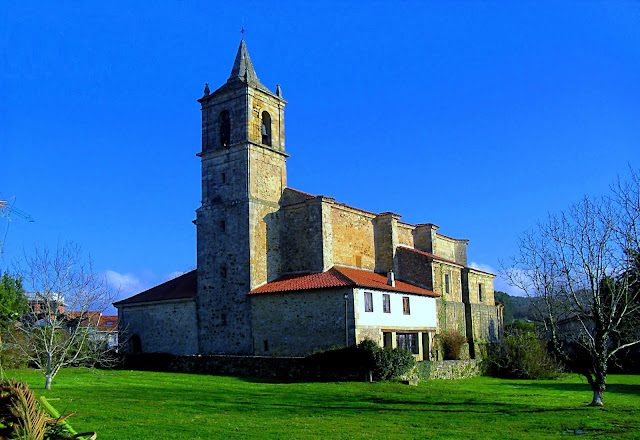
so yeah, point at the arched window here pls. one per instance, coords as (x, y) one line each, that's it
(266, 128)
(225, 128)
(135, 344)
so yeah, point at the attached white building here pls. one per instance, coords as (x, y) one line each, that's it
(298, 314)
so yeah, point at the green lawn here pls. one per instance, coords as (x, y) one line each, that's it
(146, 405)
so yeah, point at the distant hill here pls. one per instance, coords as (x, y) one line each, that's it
(516, 307)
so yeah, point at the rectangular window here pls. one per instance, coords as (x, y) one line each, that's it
(368, 302)
(222, 226)
(480, 292)
(387, 339)
(408, 341)
(386, 303)
(446, 283)
(358, 260)
(223, 178)
(266, 345)
(223, 271)
(405, 305)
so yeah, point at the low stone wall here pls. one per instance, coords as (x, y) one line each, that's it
(258, 366)
(448, 369)
(288, 368)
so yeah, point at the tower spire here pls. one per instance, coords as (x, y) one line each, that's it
(242, 65)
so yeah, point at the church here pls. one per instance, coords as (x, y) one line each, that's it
(281, 272)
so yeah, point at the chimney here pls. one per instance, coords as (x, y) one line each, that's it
(391, 279)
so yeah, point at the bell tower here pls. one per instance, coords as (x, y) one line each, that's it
(243, 177)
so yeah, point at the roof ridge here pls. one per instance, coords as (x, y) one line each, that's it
(343, 275)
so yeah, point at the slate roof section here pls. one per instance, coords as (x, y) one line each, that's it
(243, 74)
(182, 287)
(338, 277)
(243, 64)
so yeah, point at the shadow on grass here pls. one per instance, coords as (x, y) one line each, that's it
(631, 389)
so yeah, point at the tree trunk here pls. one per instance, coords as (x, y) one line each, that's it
(47, 384)
(597, 398)
(598, 386)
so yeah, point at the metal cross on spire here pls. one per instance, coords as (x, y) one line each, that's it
(243, 30)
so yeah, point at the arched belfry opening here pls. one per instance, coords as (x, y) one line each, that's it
(225, 128)
(266, 128)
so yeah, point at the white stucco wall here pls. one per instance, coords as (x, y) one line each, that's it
(423, 310)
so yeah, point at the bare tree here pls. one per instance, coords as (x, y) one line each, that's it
(581, 268)
(65, 296)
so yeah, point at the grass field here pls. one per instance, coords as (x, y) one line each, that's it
(147, 405)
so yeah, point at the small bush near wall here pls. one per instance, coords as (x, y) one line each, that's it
(358, 360)
(452, 342)
(522, 355)
(387, 364)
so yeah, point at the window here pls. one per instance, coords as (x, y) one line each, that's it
(223, 178)
(386, 339)
(223, 271)
(480, 292)
(358, 260)
(386, 303)
(446, 283)
(109, 322)
(368, 302)
(408, 341)
(266, 128)
(222, 226)
(266, 345)
(225, 128)
(405, 305)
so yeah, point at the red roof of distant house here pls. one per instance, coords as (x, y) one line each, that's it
(102, 322)
(182, 287)
(338, 277)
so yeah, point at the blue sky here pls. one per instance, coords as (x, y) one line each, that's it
(480, 117)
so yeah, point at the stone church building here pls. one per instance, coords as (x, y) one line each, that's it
(284, 273)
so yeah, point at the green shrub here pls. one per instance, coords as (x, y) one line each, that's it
(522, 354)
(357, 361)
(387, 364)
(452, 342)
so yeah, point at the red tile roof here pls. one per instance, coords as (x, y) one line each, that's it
(338, 277)
(184, 286)
(96, 319)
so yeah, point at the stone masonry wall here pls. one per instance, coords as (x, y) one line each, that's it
(475, 278)
(353, 237)
(167, 327)
(461, 369)
(414, 268)
(451, 316)
(301, 243)
(441, 269)
(299, 323)
(405, 234)
(486, 323)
